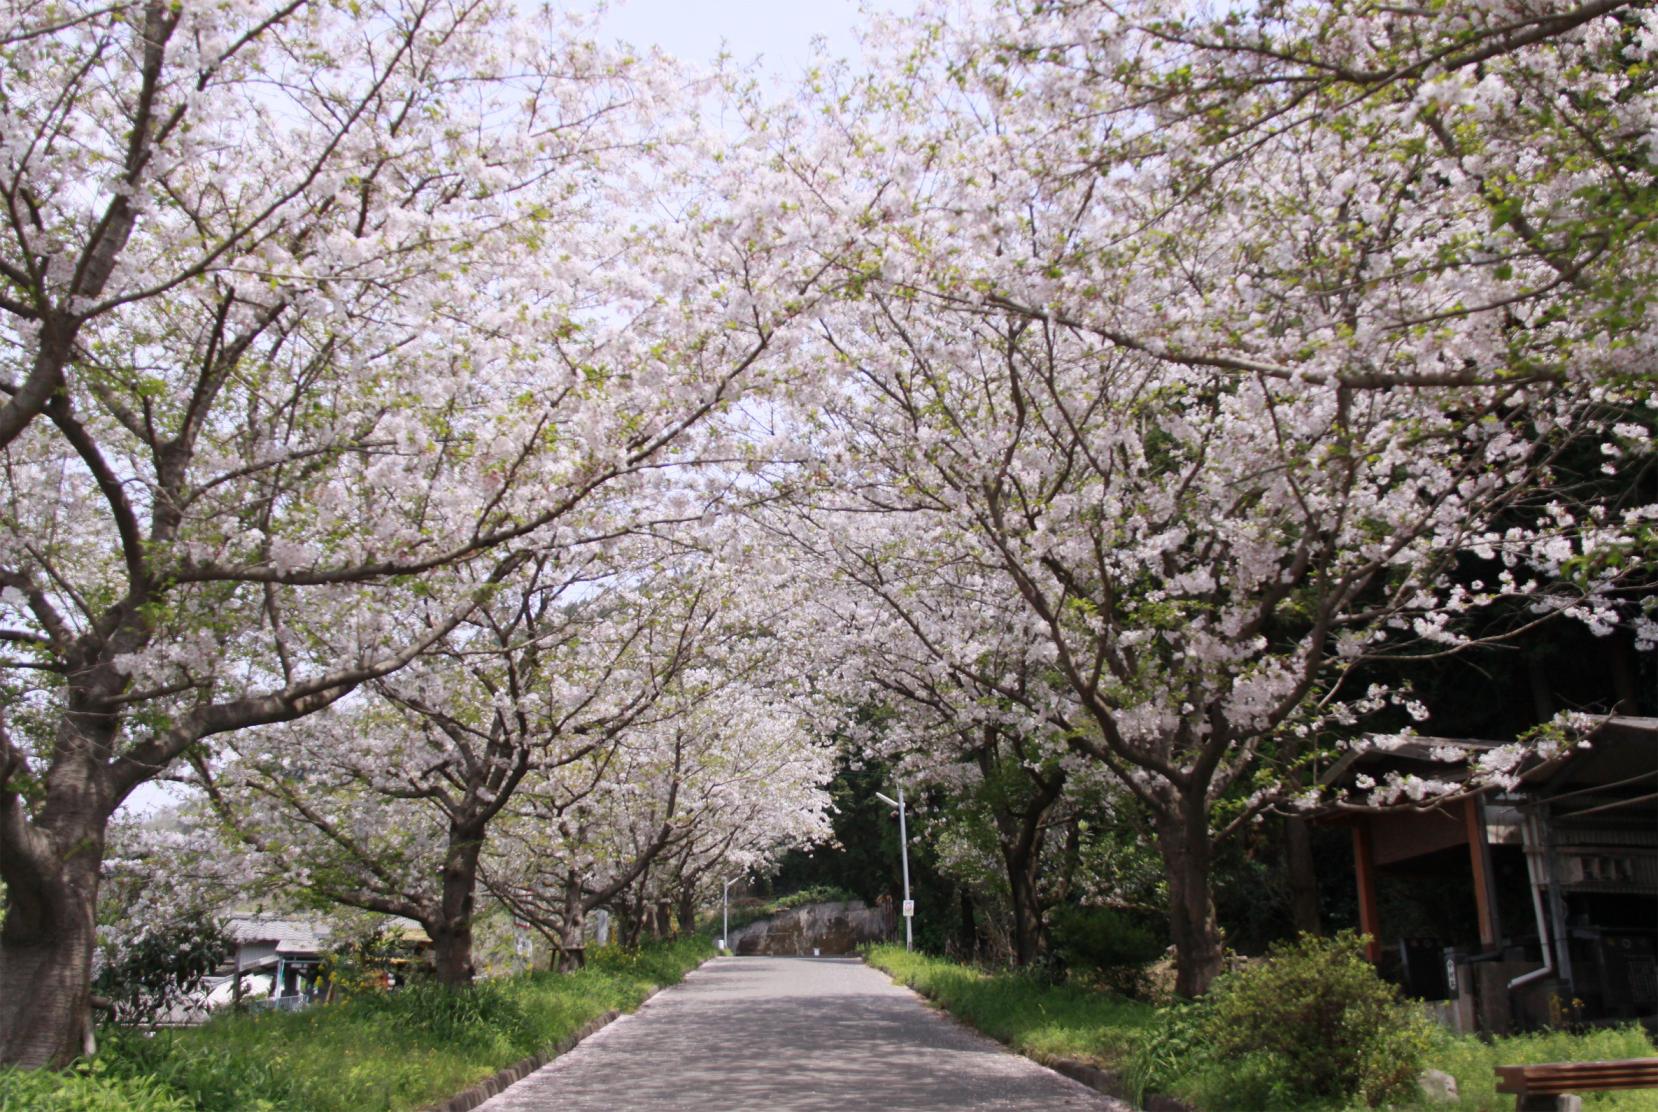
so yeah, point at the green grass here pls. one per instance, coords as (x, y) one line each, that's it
(402, 1050)
(86, 1089)
(1472, 1061)
(1043, 1021)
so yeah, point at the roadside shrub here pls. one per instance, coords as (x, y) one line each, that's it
(1310, 1022)
(1116, 945)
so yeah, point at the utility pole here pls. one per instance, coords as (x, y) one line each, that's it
(903, 856)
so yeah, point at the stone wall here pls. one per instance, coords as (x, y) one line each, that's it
(830, 928)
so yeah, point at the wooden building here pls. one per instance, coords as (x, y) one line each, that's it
(1517, 907)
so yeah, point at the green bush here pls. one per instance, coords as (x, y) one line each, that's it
(1103, 937)
(1311, 1022)
(1114, 945)
(163, 967)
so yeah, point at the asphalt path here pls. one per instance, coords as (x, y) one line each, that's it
(803, 1034)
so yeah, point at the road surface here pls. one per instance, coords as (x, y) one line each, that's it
(803, 1034)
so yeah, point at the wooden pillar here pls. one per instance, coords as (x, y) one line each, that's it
(1479, 856)
(1364, 870)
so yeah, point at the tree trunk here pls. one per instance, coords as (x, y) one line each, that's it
(452, 955)
(572, 950)
(46, 966)
(968, 938)
(1027, 912)
(634, 923)
(452, 933)
(51, 875)
(663, 927)
(1298, 853)
(1183, 841)
(687, 911)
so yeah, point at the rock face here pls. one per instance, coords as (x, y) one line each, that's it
(830, 928)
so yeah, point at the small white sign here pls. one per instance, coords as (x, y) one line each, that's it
(909, 909)
(722, 944)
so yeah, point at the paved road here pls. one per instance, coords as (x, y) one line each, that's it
(803, 1034)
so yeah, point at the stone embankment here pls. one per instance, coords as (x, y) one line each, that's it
(827, 928)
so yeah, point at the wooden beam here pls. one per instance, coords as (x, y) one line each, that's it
(1364, 870)
(1479, 856)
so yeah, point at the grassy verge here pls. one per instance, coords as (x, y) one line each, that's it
(1047, 1021)
(403, 1050)
(1043, 1021)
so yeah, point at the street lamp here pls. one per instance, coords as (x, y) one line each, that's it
(725, 911)
(904, 855)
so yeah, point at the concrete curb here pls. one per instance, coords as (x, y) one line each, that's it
(498, 1082)
(1111, 1083)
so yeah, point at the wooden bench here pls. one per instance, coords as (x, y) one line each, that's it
(1539, 1088)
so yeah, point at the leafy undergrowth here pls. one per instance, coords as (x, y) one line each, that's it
(1042, 1020)
(401, 1050)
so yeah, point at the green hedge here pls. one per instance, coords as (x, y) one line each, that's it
(402, 1050)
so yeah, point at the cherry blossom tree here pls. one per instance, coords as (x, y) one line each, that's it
(915, 634)
(390, 806)
(1227, 368)
(725, 788)
(318, 323)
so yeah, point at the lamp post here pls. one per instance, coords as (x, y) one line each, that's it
(904, 856)
(725, 912)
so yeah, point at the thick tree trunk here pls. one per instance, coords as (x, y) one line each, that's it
(572, 950)
(46, 964)
(1183, 841)
(452, 933)
(51, 876)
(452, 955)
(1298, 854)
